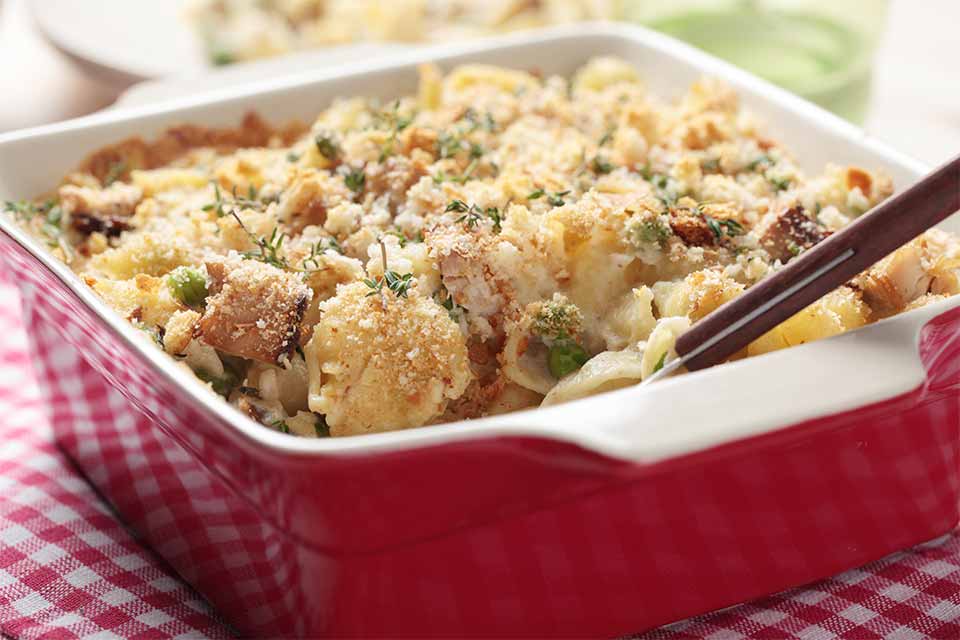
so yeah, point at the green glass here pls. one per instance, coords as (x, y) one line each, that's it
(820, 52)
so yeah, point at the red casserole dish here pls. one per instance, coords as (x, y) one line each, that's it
(605, 516)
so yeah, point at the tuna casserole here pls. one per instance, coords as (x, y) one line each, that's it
(497, 241)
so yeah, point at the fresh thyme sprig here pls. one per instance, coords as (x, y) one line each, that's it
(403, 238)
(601, 165)
(395, 124)
(355, 180)
(317, 250)
(268, 250)
(448, 144)
(476, 122)
(221, 204)
(761, 160)
(555, 199)
(327, 146)
(607, 136)
(51, 227)
(660, 184)
(399, 284)
(473, 214)
(778, 184)
(445, 300)
(718, 226)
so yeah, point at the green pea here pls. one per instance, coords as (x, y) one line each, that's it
(566, 356)
(188, 285)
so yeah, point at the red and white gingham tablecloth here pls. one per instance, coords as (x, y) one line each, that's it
(69, 568)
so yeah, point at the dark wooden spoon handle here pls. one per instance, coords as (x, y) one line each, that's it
(822, 268)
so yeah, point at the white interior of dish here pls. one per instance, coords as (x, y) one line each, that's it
(677, 416)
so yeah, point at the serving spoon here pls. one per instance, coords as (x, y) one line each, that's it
(818, 271)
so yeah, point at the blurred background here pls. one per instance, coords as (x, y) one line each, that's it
(884, 64)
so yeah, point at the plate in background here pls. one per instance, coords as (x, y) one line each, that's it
(210, 79)
(125, 41)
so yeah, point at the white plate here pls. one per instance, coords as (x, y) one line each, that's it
(208, 80)
(149, 42)
(126, 40)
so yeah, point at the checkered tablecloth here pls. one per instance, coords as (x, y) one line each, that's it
(69, 569)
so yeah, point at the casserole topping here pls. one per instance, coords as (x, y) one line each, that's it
(498, 241)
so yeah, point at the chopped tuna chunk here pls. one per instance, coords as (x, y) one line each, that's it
(691, 228)
(896, 281)
(791, 233)
(255, 311)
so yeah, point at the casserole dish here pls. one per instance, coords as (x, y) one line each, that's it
(601, 517)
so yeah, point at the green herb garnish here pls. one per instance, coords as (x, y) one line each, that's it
(399, 284)
(268, 250)
(473, 214)
(607, 136)
(395, 123)
(355, 180)
(445, 300)
(327, 147)
(494, 214)
(599, 164)
(26, 211)
(448, 145)
(221, 203)
(779, 184)
(223, 384)
(487, 122)
(755, 164)
(321, 427)
(402, 237)
(732, 228)
(317, 249)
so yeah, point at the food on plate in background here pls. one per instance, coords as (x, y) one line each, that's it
(499, 240)
(822, 51)
(235, 30)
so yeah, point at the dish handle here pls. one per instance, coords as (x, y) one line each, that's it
(891, 365)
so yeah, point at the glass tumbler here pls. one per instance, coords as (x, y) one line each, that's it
(819, 49)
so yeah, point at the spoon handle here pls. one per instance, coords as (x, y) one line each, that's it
(822, 268)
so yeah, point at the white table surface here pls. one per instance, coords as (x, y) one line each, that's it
(915, 105)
